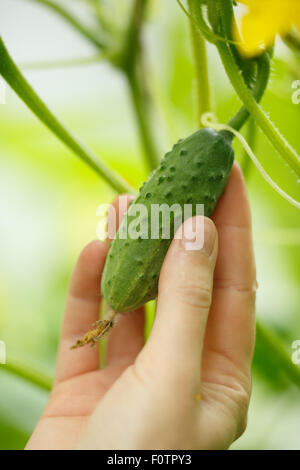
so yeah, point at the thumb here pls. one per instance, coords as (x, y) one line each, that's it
(184, 299)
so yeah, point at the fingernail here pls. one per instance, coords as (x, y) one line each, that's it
(199, 235)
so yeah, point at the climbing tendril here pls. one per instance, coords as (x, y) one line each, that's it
(209, 120)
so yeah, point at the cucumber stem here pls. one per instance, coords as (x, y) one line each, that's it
(262, 79)
(222, 32)
(222, 25)
(272, 133)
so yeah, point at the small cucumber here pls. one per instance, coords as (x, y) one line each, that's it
(194, 172)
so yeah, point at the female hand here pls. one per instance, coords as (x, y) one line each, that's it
(188, 387)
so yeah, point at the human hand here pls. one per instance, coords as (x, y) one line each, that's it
(189, 386)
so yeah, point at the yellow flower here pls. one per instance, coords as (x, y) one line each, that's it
(263, 21)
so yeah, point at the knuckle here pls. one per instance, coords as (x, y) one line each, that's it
(196, 296)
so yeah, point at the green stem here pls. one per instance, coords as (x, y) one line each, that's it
(133, 67)
(18, 83)
(269, 129)
(54, 64)
(278, 353)
(261, 82)
(73, 21)
(142, 117)
(29, 374)
(201, 66)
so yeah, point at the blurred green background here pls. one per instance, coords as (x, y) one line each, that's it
(48, 199)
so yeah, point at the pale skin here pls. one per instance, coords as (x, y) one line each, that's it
(189, 386)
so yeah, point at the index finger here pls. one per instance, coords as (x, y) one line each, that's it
(82, 310)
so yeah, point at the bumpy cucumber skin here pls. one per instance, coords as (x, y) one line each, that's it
(195, 171)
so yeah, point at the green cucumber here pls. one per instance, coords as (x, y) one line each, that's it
(194, 172)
